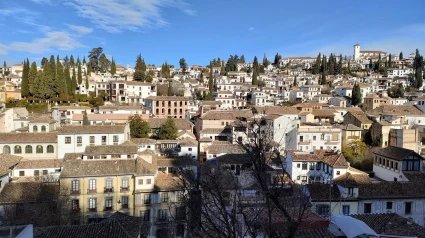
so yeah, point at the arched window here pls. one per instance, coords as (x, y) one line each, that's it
(43, 128)
(35, 129)
(39, 149)
(6, 149)
(50, 149)
(18, 149)
(28, 149)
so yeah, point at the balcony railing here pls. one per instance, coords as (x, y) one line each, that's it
(75, 191)
(124, 206)
(106, 209)
(75, 210)
(108, 190)
(91, 190)
(353, 137)
(124, 189)
(92, 209)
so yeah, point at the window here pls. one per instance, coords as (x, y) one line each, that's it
(304, 179)
(35, 129)
(36, 173)
(75, 186)
(115, 139)
(28, 149)
(124, 202)
(323, 210)
(18, 149)
(43, 128)
(79, 140)
(162, 214)
(92, 204)
(108, 185)
(21, 173)
(92, 185)
(124, 183)
(39, 149)
(91, 139)
(145, 214)
(67, 140)
(103, 139)
(140, 182)
(164, 197)
(312, 165)
(346, 210)
(45, 172)
(75, 204)
(298, 165)
(367, 208)
(190, 149)
(338, 172)
(408, 208)
(108, 204)
(148, 181)
(389, 205)
(238, 170)
(304, 166)
(6, 149)
(147, 199)
(314, 138)
(50, 149)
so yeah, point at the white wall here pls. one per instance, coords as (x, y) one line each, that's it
(185, 151)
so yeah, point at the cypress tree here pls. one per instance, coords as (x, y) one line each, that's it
(201, 78)
(67, 79)
(52, 67)
(400, 57)
(295, 81)
(316, 68)
(254, 78)
(79, 75)
(323, 78)
(170, 90)
(84, 60)
(85, 119)
(32, 75)
(210, 80)
(242, 59)
(390, 61)
(87, 84)
(331, 65)
(339, 66)
(256, 67)
(78, 60)
(60, 83)
(71, 61)
(113, 67)
(73, 82)
(25, 91)
(356, 95)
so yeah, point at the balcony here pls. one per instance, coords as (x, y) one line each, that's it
(353, 137)
(108, 190)
(92, 209)
(75, 192)
(91, 190)
(161, 219)
(75, 210)
(108, 209)
(125, 206)
(124, 189)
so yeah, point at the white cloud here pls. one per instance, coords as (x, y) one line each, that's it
(82, 30)
(53, 40)
(42, 1)
(251, 28)
(133, 15)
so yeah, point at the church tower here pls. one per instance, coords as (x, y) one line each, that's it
(356, 51)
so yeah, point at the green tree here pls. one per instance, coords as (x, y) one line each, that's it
(68, 79)
(210, 80)
(25, 88)
(183, 65)
(73, 82)
(104, 63)
(339, 65)
(355, 152)
(396, 91)
(331, 66)
(266, 62)
(390, 62)
(60, 80)
(295, 81)
(113, 67)
(400, 57)
(79, 75)
(87, 83)
(85, 119)
(71, 61)
(165, 70)
(323, 80)
(254, 78)
(242, 59)
(94, 57)
(201, 78)
(170, 90)
(96, 102)
(139, 128)
(4, 64)
(168, 130)
(84, 60)
(277, 59)
(255, 65)
(316, 67)
(356, 98)
(32, 76)
(418, 65)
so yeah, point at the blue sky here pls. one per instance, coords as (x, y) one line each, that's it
(199, 30)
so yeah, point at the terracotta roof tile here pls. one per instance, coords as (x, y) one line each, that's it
(219, 147)
(51, 137)
(92, 129)
(182, 124)
(110, 149)
(8, 161)
(39, 163)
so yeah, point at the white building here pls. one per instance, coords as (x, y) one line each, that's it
(29, 145)
(279, 126)
(63, 114)
(310, 137)
(74, 139)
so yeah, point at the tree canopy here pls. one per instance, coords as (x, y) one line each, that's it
(139, 128)
(168, 130)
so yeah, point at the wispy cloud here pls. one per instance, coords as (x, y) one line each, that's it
(117, 16)
(52, 40)
(22, 31)
(251, 28)
(26, 16)
(82, 30)
(43, 1)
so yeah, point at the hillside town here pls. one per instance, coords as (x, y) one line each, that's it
(320, 146)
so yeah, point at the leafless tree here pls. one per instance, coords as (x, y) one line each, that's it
(244, 195)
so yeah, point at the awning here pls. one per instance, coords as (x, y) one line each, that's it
(351, 226)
